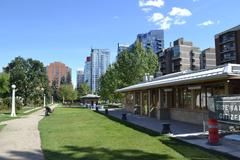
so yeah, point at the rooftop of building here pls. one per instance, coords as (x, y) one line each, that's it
(59, 63)
(188, 77)
(209, 50)
(151, 32)
(99, 49)
(236, 28)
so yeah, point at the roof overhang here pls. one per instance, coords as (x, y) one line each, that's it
(90, 96)
(219, 73)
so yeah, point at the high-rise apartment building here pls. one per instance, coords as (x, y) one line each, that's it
(179, 57)
(57, 71)
(80, 78)
(87, 71)
(227, 46)
(95, 66)
(100, 60)
(154, 39)
(121, 47)
(208, 58)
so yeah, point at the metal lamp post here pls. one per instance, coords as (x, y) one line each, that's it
(52, 99)
(44, 98)
(13, 113)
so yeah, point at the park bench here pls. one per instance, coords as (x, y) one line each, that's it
(48, 110)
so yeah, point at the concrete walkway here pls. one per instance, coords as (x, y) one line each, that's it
(177, 128)
(20, 138)
(184, 131)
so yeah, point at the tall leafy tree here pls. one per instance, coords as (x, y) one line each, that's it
(109, 82)
(4, 83)
(30, 77)
(67, 92)
(83, 89)
(129, 69)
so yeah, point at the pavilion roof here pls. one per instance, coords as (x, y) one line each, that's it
(188, 77)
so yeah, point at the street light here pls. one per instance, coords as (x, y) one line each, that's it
(13, 113)
(44, 98)
(52, 99)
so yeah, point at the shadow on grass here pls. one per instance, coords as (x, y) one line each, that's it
(87, 153)
(37, 155)
(91, 153)
(187, 150)
(193, 152)
(131, 125)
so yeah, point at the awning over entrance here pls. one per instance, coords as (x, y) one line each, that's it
(90, 96)
(227, 71)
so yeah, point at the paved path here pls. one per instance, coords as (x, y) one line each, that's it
(184, 131)
(20, 138)
(178, 128)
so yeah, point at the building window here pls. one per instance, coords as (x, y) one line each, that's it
(198, 96)
(187, 96)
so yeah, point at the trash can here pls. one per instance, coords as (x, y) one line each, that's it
(213, 137)
(124, 116)
(106, 111)
(166, 128)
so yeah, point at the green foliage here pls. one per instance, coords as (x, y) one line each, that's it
(4, 84)
(129, 69)
(86, 135)
(83, 89)
(30, 77)
(109, 82)
(67, 92)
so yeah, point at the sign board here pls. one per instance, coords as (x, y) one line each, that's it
(226, 109)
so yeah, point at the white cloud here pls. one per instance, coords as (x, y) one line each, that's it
(179, 21)
(181, 12)
(146, 10)
(165, 23)
(151, 3)
(206, 23)
(175, 16)
(161, 21)
(195, 0)
(155, 17)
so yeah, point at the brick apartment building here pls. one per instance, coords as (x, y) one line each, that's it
(56, 71)
(227, 45)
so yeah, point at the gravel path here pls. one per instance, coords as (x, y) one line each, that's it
(20, 139)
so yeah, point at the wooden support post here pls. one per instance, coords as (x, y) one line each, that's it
(141, 103)
(149, 102)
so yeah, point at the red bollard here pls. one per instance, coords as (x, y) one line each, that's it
(213, 137)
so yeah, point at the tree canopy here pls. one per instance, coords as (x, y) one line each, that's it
(83, 89)
(30, 77)
(129, 69)
(67, 92)
(4, 83)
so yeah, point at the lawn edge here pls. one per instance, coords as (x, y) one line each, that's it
(155, 133)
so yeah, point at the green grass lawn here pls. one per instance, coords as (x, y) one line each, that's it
(81, 134)
(6, 114)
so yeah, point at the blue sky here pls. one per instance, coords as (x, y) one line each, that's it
(65, 30)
